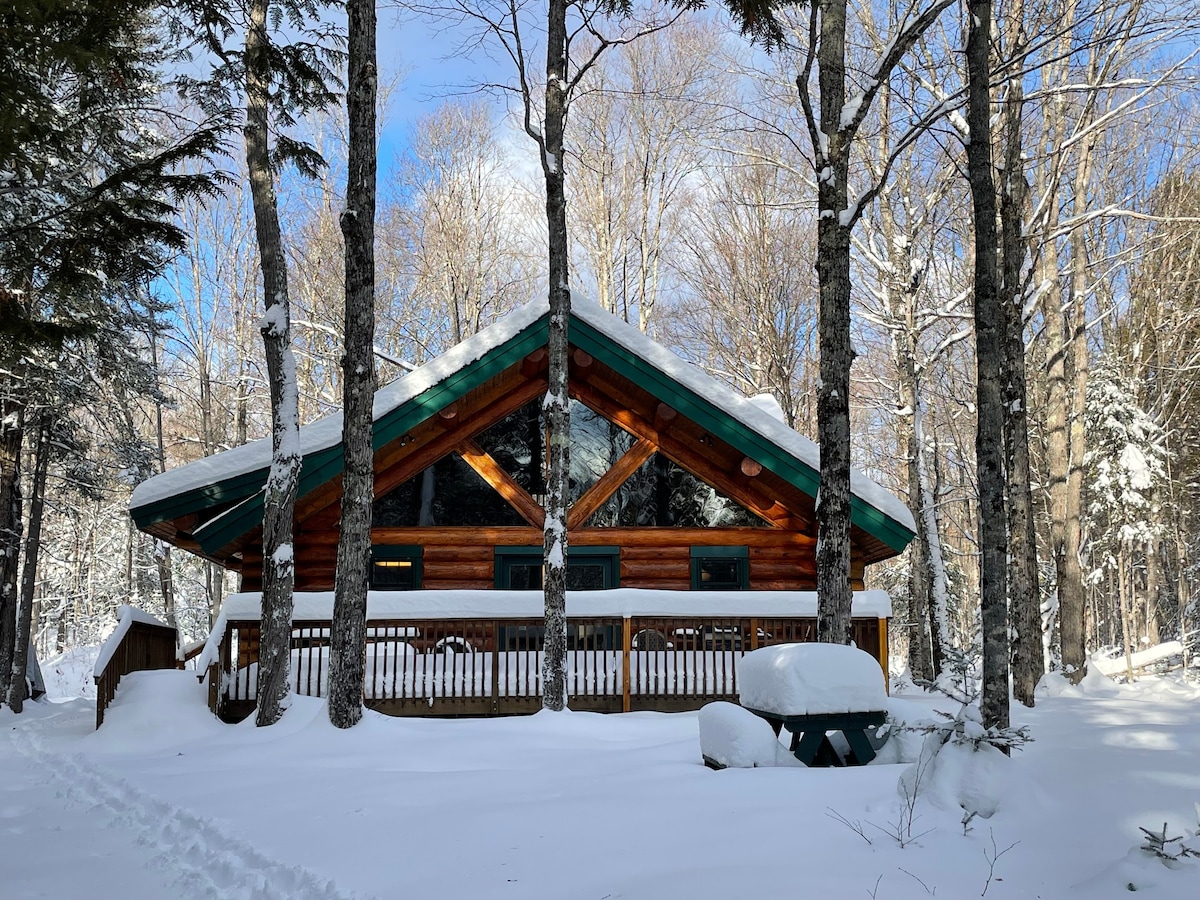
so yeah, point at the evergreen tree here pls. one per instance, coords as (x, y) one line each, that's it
(89, 178)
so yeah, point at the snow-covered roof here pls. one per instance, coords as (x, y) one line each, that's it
(326, 433)
(749, 411)
(126, 616)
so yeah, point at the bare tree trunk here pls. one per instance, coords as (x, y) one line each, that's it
(280, 500)
(18, 688)
(347, 662)
(920, 653)
(1025, 607)
(1124, 590)
(833, 276)
(1071, 591)
(557, 403)
(989, 442)
(1153, 566)
(12, 416)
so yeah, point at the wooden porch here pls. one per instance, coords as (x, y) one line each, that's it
(492, 666)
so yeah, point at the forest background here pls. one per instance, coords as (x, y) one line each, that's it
(691, 204)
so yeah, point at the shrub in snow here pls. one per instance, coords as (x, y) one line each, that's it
(810, 679)
(1168, 849)
(733, 737)
(961, 763)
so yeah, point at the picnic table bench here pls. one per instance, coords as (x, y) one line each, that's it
(810, 735)
(813, 690)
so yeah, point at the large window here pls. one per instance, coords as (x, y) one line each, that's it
(448, 493)
(720, 568)
(664, 494)
(588, 568)
(395, 568)
(517, 443)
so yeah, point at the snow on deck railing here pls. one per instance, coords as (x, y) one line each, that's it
(126, 616)
(317, 606)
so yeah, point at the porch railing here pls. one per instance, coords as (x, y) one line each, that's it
(140, 642)
(474, 667)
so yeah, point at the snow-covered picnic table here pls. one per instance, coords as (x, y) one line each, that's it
(812, 690)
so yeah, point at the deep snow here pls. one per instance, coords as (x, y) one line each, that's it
(164, 801)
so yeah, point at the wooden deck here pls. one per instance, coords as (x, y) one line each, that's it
(486, 667)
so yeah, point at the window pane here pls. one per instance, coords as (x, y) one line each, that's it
(392, 574)
(720, 574)
(517, 444)
(525, 577)
(661, 493)
(587, 576)
(448, 493)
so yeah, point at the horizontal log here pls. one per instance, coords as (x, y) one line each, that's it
(655, 568)
(656, 553)
(785, 570)
(751, 467)
(790, 584)
(519, 536)
(457, 570)
(437, 554)
(658, 584)
(803, 546)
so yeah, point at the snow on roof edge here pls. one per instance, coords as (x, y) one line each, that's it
(327, 431)
(744, 409)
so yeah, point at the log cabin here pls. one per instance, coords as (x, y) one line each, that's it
(677, 485)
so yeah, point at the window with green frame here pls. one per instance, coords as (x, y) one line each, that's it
(588, 568)
(395, 568)
(720, 568)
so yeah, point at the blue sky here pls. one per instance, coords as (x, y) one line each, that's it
(433, 68)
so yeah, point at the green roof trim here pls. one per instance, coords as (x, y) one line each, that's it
(244, 491)
(732, 432)
(323, 465)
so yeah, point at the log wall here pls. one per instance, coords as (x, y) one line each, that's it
(653, 558)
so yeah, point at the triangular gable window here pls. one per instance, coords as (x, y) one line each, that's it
(517, 444)
(662, 493)
(449, 493)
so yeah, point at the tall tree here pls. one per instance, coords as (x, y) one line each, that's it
(575, 39)
(1028, 662)
(281, 82)
(833, 125)
(989, 353)
(347, 661)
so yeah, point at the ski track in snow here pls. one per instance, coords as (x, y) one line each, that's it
(197, 857)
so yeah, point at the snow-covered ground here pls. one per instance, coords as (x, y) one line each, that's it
(165, 802)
